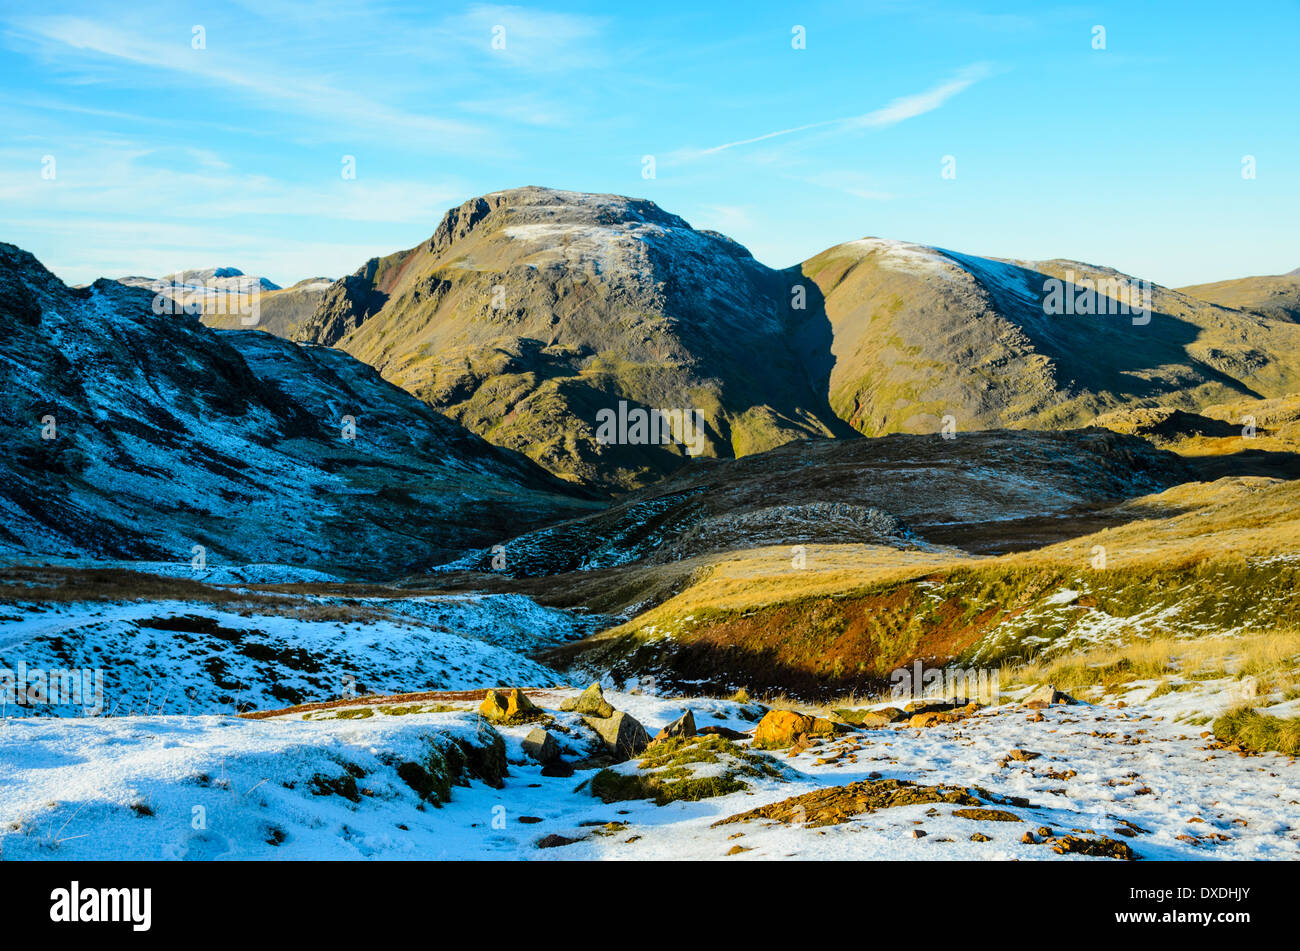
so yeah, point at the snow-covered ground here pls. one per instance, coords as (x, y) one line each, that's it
(135, 787)
(178, 657)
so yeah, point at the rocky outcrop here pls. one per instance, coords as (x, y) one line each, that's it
(840, 804)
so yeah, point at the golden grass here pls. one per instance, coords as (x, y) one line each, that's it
(1228, 521)
(1259, 732)
(1272, 657)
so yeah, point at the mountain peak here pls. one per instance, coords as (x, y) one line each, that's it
(535, 212)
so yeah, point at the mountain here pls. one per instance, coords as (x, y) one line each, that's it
(1276, 297)
(221, 297)
(138, 435)
(920, 333)
(531, 311)
(280, 311)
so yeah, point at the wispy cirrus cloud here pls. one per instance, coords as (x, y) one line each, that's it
(899, 110)
(256, 79)
(537, 40)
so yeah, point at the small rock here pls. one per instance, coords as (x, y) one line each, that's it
(555, 841)
(1101, 847)
(1047, 695)
(683, 726)
(530, 820)
(1028, 839)
(919, 833)
(979, 837)
(782, 728)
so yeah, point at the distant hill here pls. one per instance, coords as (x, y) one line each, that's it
(216, 295)
(1276, 297)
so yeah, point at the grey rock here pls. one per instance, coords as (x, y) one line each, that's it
(622, 734)
(541, 746)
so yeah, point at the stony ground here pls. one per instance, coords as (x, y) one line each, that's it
(1091, 782)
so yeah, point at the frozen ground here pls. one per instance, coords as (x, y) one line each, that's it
(178, 657)
(128, 787)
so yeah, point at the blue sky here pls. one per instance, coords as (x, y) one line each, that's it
(168, 157)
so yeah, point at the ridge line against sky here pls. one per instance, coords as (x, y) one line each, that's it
(791, 130)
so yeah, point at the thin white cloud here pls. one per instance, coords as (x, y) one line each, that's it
(901, 109)
(537, 40)
(265, 84)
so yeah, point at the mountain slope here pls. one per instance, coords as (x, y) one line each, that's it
(139, 435)
(1274, 296)
(921, 333)
(986, 491)
(530, 310)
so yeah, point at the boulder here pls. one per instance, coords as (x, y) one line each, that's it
(782, 728)
(684, 725)
(508, 706)
(931, 718)
(624, 737)
(1047, 695)
(928, 706)
(541, 746)
(723, 731)
(867, 719)
(591, 702)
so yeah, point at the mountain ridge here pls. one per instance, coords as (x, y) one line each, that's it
(144, 435)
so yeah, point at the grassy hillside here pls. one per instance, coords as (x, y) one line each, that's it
(922, 333)
(1275, 296)
(1198, 560)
